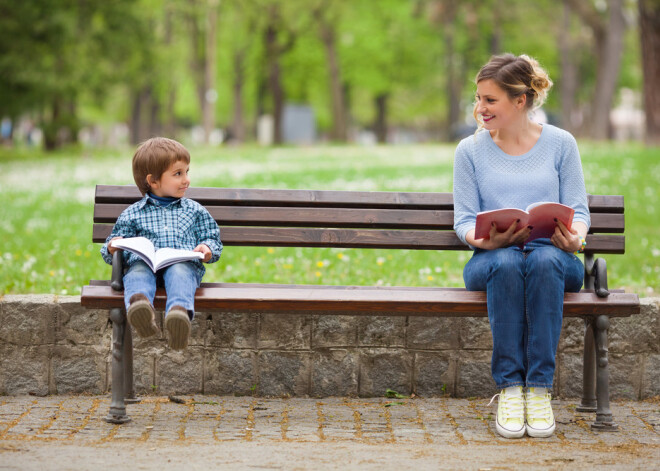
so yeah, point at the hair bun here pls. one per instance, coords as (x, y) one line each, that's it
(539, 81)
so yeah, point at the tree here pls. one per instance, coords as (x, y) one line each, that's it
(649, 25)
(391, 63)
(327, 22)
(608, 28)
(202, 18)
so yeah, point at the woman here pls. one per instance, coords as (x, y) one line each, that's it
(511, 162)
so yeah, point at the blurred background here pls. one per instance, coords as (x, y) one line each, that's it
(111, 73)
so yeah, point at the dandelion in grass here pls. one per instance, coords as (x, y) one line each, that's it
(270, 250)
(318, 274)
(79, 252)
(340, 255)
(319, 264)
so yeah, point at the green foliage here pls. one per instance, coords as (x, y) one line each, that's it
(86, 61)
(48, 201)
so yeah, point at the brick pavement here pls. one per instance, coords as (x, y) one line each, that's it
(366, 428)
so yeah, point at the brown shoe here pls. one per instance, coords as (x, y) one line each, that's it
(141, 316)
(177, 324)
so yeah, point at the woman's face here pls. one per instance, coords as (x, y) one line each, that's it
(495, 107)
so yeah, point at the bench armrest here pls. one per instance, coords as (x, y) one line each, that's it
(597, 269)
(117, 279)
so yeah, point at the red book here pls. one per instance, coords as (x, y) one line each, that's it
(539, 215)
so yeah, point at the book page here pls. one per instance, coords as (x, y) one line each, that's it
(156, 259)
(168, 256)
(139, 245)
(542, 217)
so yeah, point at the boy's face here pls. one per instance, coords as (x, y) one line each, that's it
(173, 182)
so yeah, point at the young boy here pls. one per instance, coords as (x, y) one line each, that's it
(164, 216)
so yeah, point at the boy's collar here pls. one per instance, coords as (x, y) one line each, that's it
(160, 200)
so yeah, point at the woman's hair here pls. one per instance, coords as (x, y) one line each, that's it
(517, 76)
(154, 156)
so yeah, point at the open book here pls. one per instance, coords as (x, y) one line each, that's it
(156, 259)
(539, 215)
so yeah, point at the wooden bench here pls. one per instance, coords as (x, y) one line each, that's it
(391, 220)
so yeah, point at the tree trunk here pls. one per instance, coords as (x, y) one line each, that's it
(339, 125)
(275, 81)
(610, 50)
(169, 120)
(210, 93)
(154, 117)
(454, 84)
(608, 45)
(649, 19)
(568, 84)
(380, 124)
(203, 60)
(140, 127)
(136, 112)
(238, 126)
(50, 129)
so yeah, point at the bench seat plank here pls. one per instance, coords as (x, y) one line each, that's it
(355, 299)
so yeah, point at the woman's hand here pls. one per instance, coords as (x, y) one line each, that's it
(498, 240)
(204, 249)
(565, 239)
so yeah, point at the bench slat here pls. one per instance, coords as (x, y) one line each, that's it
(292, 198)
(355, 299)
(305, 217)
(606, 203)
(343, 217)
(126, 194)
(360, 238)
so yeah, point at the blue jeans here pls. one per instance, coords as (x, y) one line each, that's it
(525, 296)
(180, 281)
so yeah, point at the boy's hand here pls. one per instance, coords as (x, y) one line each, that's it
(203, 248)
(111, 249)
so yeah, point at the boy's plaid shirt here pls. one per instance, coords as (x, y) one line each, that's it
(183, 224)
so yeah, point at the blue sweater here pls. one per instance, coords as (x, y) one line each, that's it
(486, 178)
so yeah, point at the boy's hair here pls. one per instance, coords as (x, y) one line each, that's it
(154, 156)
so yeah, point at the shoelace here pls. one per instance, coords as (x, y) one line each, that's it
(509, 408)
(538, 406)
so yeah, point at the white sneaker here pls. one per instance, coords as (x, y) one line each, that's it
(540, 419)
(510, 421)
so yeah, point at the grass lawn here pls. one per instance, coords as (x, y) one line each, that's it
(45, 235)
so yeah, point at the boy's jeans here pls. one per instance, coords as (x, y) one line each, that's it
(180, 281)
(525, 295)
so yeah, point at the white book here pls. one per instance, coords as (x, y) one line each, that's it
(156, 259)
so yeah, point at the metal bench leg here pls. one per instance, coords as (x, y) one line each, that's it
(129, 388)
(588, 403)
(117, 413)
(604, 419)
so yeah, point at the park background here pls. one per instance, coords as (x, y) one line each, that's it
(314, 94)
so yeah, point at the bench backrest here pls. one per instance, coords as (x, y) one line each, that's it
(345, 219)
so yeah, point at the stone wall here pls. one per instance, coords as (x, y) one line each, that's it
(52, 345)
